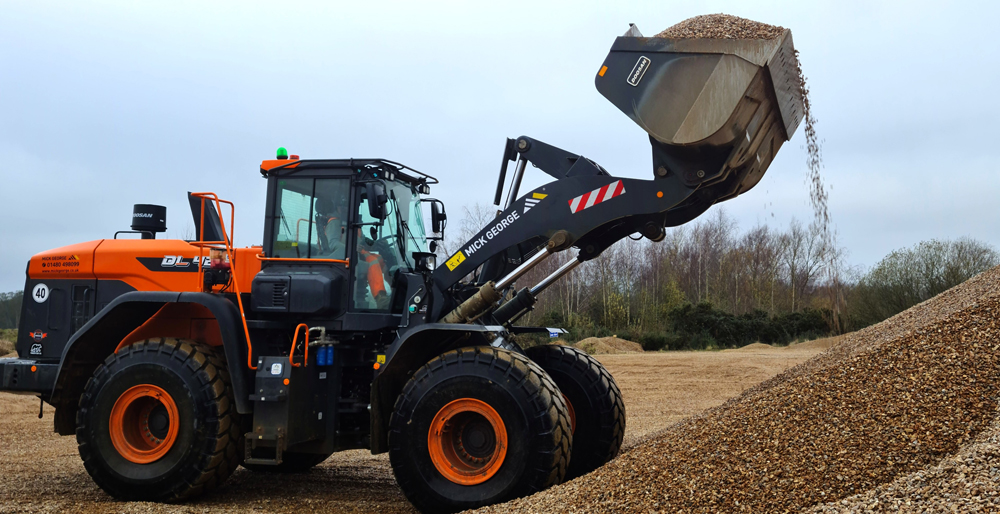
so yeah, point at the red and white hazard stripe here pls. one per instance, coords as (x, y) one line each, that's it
(597, 196)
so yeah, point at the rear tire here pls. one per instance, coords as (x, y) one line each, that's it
(157, 422)
(477, 426)
(595, 400)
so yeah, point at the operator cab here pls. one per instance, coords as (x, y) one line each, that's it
(338, 235)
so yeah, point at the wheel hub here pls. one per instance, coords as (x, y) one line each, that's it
(467, 441)
(143, 424)
(478, 438)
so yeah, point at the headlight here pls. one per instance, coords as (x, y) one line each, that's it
(425, 261)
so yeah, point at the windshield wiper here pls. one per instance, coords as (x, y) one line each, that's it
(400, 224)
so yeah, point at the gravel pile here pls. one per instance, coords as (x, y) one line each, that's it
(966, 482)
(883, 404)
(721, 26)
(607, 346)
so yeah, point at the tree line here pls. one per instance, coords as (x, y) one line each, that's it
(709, 284)
(10, 309)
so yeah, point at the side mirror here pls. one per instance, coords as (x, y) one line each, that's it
(376, 199)
(438, 217)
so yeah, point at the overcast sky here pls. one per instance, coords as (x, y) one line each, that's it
(107, 104)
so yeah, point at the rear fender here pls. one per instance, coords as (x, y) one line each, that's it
(411, 349)
(120, 323)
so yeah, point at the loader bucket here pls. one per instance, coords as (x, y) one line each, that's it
(716, 110)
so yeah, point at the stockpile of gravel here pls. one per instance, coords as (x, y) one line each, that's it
(968, 481)
(721, 26)
(607, 345)
(884, 404)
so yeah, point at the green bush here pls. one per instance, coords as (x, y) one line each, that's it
(909, 276)
(699, 327)
(704, 326)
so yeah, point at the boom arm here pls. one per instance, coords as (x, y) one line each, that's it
(591, 208)
(716, 112)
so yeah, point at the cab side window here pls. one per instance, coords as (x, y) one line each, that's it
(372, 287)
(311, 218)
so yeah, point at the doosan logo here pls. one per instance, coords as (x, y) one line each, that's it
(142, 215)
(638, 71)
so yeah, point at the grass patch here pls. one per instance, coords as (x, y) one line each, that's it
(7, 338)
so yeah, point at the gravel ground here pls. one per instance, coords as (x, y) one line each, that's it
(721, 26)
(42, 471)
(886, 404)
(966, 482)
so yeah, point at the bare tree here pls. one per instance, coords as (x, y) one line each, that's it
(803, 259)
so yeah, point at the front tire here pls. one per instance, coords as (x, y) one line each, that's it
(595, 401)
(157, 422)
(477, 426)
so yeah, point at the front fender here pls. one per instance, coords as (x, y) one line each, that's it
(413, 348)
(97, 339)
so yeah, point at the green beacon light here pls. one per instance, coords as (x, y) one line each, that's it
(282, 153)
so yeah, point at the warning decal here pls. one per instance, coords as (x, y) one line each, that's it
(533, 201)
(455, 260)
(596, 196)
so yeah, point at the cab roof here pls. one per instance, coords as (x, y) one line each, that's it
(285, 167)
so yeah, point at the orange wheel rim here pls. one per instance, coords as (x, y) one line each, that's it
(144, 423)
(572, 413)
(467, 441)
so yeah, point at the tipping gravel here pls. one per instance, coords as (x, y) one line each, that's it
(721, 26)
(888, 402)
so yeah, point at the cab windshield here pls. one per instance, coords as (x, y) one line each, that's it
(402, 232)
(405, 217)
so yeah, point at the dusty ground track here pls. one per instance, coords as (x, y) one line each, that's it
(42, 472)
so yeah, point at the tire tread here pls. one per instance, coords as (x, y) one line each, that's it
(527, 376)
(600, 386)
(218, 456)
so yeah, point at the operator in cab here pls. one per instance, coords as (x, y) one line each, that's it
(331, 222)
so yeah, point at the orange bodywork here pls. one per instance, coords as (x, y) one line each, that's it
(270, 164)
(150, 265)
(73, 261)
(174, 263)
(180, 320)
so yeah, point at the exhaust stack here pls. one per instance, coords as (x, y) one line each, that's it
(149, 219)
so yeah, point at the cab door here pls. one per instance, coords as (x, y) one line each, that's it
(305, 268)
(376, 251)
